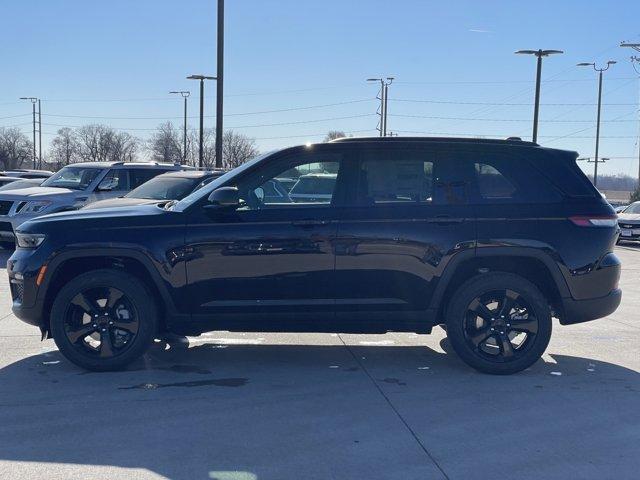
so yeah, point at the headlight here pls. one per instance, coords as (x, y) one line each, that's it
(34, 207)
(29, 240)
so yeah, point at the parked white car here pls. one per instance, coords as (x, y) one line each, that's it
(71, 188)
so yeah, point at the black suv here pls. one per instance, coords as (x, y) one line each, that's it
(489, 238)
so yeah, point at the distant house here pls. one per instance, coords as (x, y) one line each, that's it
(617, 197)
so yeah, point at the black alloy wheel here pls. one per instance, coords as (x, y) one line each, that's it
(101, 321)
(500, 325)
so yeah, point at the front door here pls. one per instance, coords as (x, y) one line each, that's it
(268, 264)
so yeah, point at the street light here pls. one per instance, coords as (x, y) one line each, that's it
(599, 70)
(202, 78)
(33, 101)
(536, 108)
(384, 95)
(185, 94)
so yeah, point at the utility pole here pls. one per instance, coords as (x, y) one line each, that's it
(220, 84)
(202, 78)
(185, 94)
(39, 136)
(600, 71)
(33, 101)
(383, 97)
(635, 59)
(536, 108)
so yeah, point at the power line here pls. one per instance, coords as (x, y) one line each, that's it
(300, 122)
(260, 112)
(475, 119)
(505, 104)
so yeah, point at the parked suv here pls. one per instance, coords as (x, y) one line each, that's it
(488, 238)
(70, 188)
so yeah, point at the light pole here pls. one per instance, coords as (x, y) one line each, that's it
(599, 70)
(185, 94)
(384, 95)
(635, 59)
(220, 84)
(202, 78)
(536, 109)
(33, 101)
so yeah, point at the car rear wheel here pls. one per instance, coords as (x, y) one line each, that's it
(103, 320)
(499, 323)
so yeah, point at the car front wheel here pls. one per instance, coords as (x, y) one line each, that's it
(499, 323)
(103, 320)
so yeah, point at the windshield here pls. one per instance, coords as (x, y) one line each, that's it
(633, 208)
(206, 190)
(75, 178)
(167, 188)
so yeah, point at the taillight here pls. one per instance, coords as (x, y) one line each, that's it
(594, 220)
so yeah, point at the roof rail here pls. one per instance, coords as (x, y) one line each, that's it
(495, 141)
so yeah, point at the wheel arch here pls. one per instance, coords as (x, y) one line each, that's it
(531, 264)
(69, 264)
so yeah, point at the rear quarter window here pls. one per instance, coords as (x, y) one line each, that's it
(505, 178)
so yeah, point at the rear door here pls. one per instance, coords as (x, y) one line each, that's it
(408, 217)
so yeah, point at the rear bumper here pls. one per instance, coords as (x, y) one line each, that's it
(578, 311)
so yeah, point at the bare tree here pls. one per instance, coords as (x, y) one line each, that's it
(165, 145)
(237, 149)
(334, 134)
(15, 148)
(64, 148)
(97, 143)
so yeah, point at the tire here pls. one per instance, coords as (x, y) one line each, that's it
(125, 330)
(527, 320)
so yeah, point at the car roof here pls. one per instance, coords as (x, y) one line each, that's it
(195, 174)
(128, 165)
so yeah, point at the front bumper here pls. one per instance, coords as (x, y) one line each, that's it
(629, 231)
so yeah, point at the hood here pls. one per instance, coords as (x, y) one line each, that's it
(113, 214)
(629, 217)
(37, 193)
(122, 202)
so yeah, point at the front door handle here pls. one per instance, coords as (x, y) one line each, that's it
(446, 220)
(306, 223)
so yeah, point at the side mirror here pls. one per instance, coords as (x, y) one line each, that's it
(108, 184)
(224, 197)
(259, 193)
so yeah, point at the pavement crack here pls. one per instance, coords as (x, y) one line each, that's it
(395, 410)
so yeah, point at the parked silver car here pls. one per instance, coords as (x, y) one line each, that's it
(71, 188)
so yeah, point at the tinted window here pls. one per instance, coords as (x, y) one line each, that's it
(562, 170)
(395, 176)
(492, 183)
(139, 176)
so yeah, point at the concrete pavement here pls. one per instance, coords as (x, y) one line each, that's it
(251, 406)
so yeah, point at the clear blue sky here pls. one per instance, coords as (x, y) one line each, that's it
(119, 58)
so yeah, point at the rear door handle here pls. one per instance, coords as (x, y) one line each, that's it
(306, 223)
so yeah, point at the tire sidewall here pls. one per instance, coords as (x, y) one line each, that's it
(137, 293)
(484, 283)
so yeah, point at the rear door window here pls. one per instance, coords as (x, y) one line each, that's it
(396, 176)
(492, 184)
